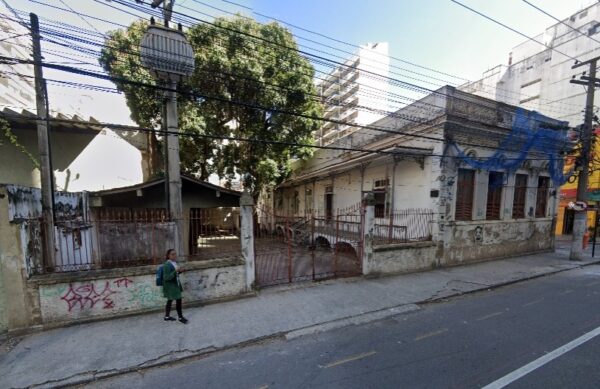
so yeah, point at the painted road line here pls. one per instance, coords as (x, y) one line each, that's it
(515, 375)
(350, 359)
(490, 316)
(533, 302)
(565, 292)
(429, 335)
(593, 283)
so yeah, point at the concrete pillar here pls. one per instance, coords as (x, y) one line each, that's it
(480, 195)
(247, 237)
(367, 252)
(508, 196)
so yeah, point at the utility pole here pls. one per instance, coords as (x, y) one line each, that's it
(170, 58)
(580, 221)
(173, 169)
(43, 146)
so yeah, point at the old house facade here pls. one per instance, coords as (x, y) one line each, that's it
(478, 173)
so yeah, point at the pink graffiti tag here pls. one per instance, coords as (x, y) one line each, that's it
(123, 282)
(86, 296)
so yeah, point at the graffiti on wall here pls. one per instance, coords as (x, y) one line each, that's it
(145, 296)
(86, 296)
(205, 280)
(110, 296)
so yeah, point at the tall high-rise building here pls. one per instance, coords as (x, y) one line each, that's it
(355, 92)
(537, 77)
(17, 89)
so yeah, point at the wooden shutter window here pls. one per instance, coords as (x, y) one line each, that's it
(494, 197)
(520, 196)
(542, 196)
(465, 186)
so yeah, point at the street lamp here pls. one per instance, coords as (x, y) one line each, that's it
(169, 57)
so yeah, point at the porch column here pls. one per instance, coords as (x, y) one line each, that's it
(363, 167)
(247, 237)
(367, 251)
(393, 188)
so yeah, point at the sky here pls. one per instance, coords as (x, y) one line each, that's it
(437, 34)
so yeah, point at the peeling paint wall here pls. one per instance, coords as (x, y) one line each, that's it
(402, 258)
(26, 203)
(482, 240)
(3, 307)
(100, 297)
(15, 311)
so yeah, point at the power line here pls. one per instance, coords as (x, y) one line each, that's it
(156, 14)
(343, 42)
(314, 118)
(79, 15)
(403, 84)
(123, 127)
(356, 46)
(351, 124)
(560, 21)
(510, 28)
(344, 123)
(419, 136)
(324, 45)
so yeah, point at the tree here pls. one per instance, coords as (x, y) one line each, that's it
(230, 67)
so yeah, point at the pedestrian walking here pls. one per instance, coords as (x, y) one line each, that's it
(172, 286)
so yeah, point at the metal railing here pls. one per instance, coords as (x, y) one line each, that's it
(214, 233)
(403, 226)
(125, 238)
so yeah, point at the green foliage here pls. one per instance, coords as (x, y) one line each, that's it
(7, 133)
(232, 67)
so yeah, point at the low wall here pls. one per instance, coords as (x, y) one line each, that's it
(94, 294)
(402, 258)
(483, 240)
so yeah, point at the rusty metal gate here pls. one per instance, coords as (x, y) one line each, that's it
(308, 248)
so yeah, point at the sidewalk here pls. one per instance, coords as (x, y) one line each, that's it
(81, 353)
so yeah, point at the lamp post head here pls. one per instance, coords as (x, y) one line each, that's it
(167, 53)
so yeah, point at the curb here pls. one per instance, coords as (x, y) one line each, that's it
(362, 318)
(510, 282)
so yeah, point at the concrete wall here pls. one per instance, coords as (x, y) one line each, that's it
(402, 258)
(492, 239)
(76, 297)
(15, 309)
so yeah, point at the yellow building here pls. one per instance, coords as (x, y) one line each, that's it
(568, 193)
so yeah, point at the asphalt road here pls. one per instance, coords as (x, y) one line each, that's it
(467, 342)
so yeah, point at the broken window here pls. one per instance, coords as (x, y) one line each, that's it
(380, 190)
(379, 203)
(542, 196)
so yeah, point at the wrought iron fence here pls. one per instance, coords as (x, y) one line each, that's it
(291, 248)
(214, 233)
(403, 226)
(112, 238)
